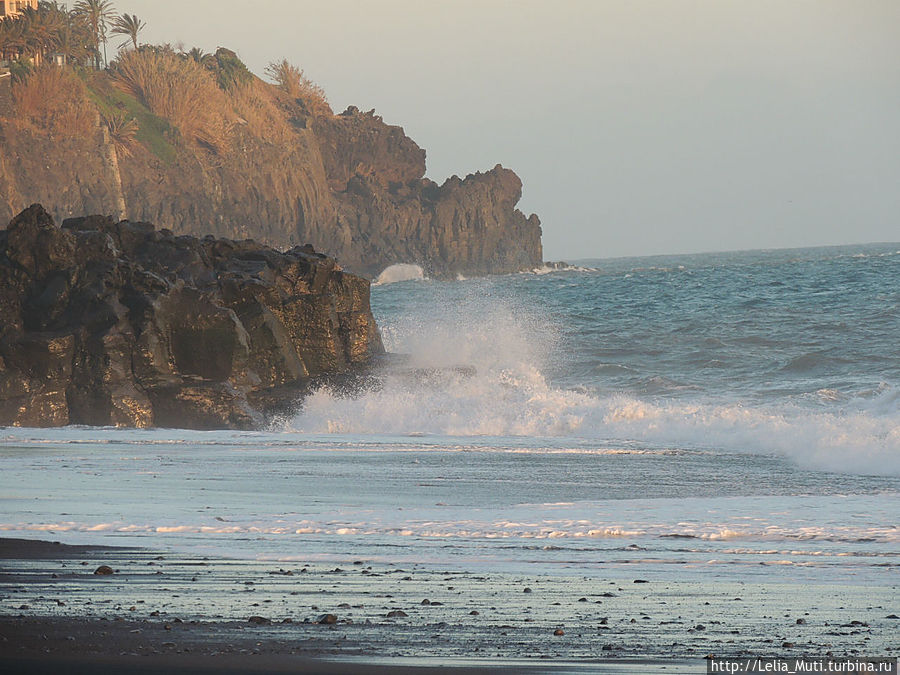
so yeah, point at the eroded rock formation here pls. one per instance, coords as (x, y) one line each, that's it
(108, 323)
(349, 184)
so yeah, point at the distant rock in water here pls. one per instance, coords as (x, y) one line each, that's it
(107, 323)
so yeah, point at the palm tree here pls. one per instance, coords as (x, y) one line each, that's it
(41, 29)
(97, 14)
(130, 26)
(196, 54)
(12, 37)
(73, 41)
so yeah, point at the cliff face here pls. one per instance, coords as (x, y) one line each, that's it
(109, 323)
(349, 184)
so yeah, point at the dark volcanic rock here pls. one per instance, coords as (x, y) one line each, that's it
(109, 323)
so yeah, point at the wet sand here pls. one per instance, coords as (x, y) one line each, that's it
(164, 612)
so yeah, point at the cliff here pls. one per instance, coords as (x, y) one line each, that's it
(279, 171)
(117, 323)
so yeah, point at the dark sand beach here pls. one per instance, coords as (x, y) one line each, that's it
(161, 612)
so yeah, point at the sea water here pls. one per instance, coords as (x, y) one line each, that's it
(730, 416)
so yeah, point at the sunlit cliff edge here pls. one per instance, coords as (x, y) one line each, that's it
(202, 146)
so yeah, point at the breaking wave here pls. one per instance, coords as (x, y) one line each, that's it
(399, 272)
(477, 369)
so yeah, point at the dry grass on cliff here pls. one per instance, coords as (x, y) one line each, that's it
(254, 103)
(56, 100)
(179, 90)
(291, 80)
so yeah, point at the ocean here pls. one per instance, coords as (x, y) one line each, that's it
(731, 416)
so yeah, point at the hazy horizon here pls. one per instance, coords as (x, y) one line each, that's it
(638, 127)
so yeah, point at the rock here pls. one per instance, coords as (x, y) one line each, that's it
(582, 599)
(426, 601)
(396, 614)
(559, 631)
(259, 620)
(104, 570)
(327, 619)
(526, 590)
(800, 622)
(118, 324)
(466, 226)
(892, 616)
(641, 581)
(787, 645)
(349, 184)
(474, 612)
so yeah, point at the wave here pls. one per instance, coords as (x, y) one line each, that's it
(575, 530)
(399, 272)
(520, 404)
(480, 373)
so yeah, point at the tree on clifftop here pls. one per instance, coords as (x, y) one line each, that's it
(97, 14)
(28, 37)
(130, 26)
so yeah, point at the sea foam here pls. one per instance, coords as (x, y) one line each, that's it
(502, 391)
(399, 272)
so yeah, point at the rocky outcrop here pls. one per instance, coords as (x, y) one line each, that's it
(117, 323)
(349, 184)
(466, 226)
(361, 144)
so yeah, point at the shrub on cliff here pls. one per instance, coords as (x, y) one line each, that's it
(291, 80)
(179, 90)
(229, 70)
(254, 103)
(55, 100)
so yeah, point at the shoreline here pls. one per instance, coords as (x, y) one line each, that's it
(110, 646)
(164, 612)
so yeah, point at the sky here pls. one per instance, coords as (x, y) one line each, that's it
(638, 127)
